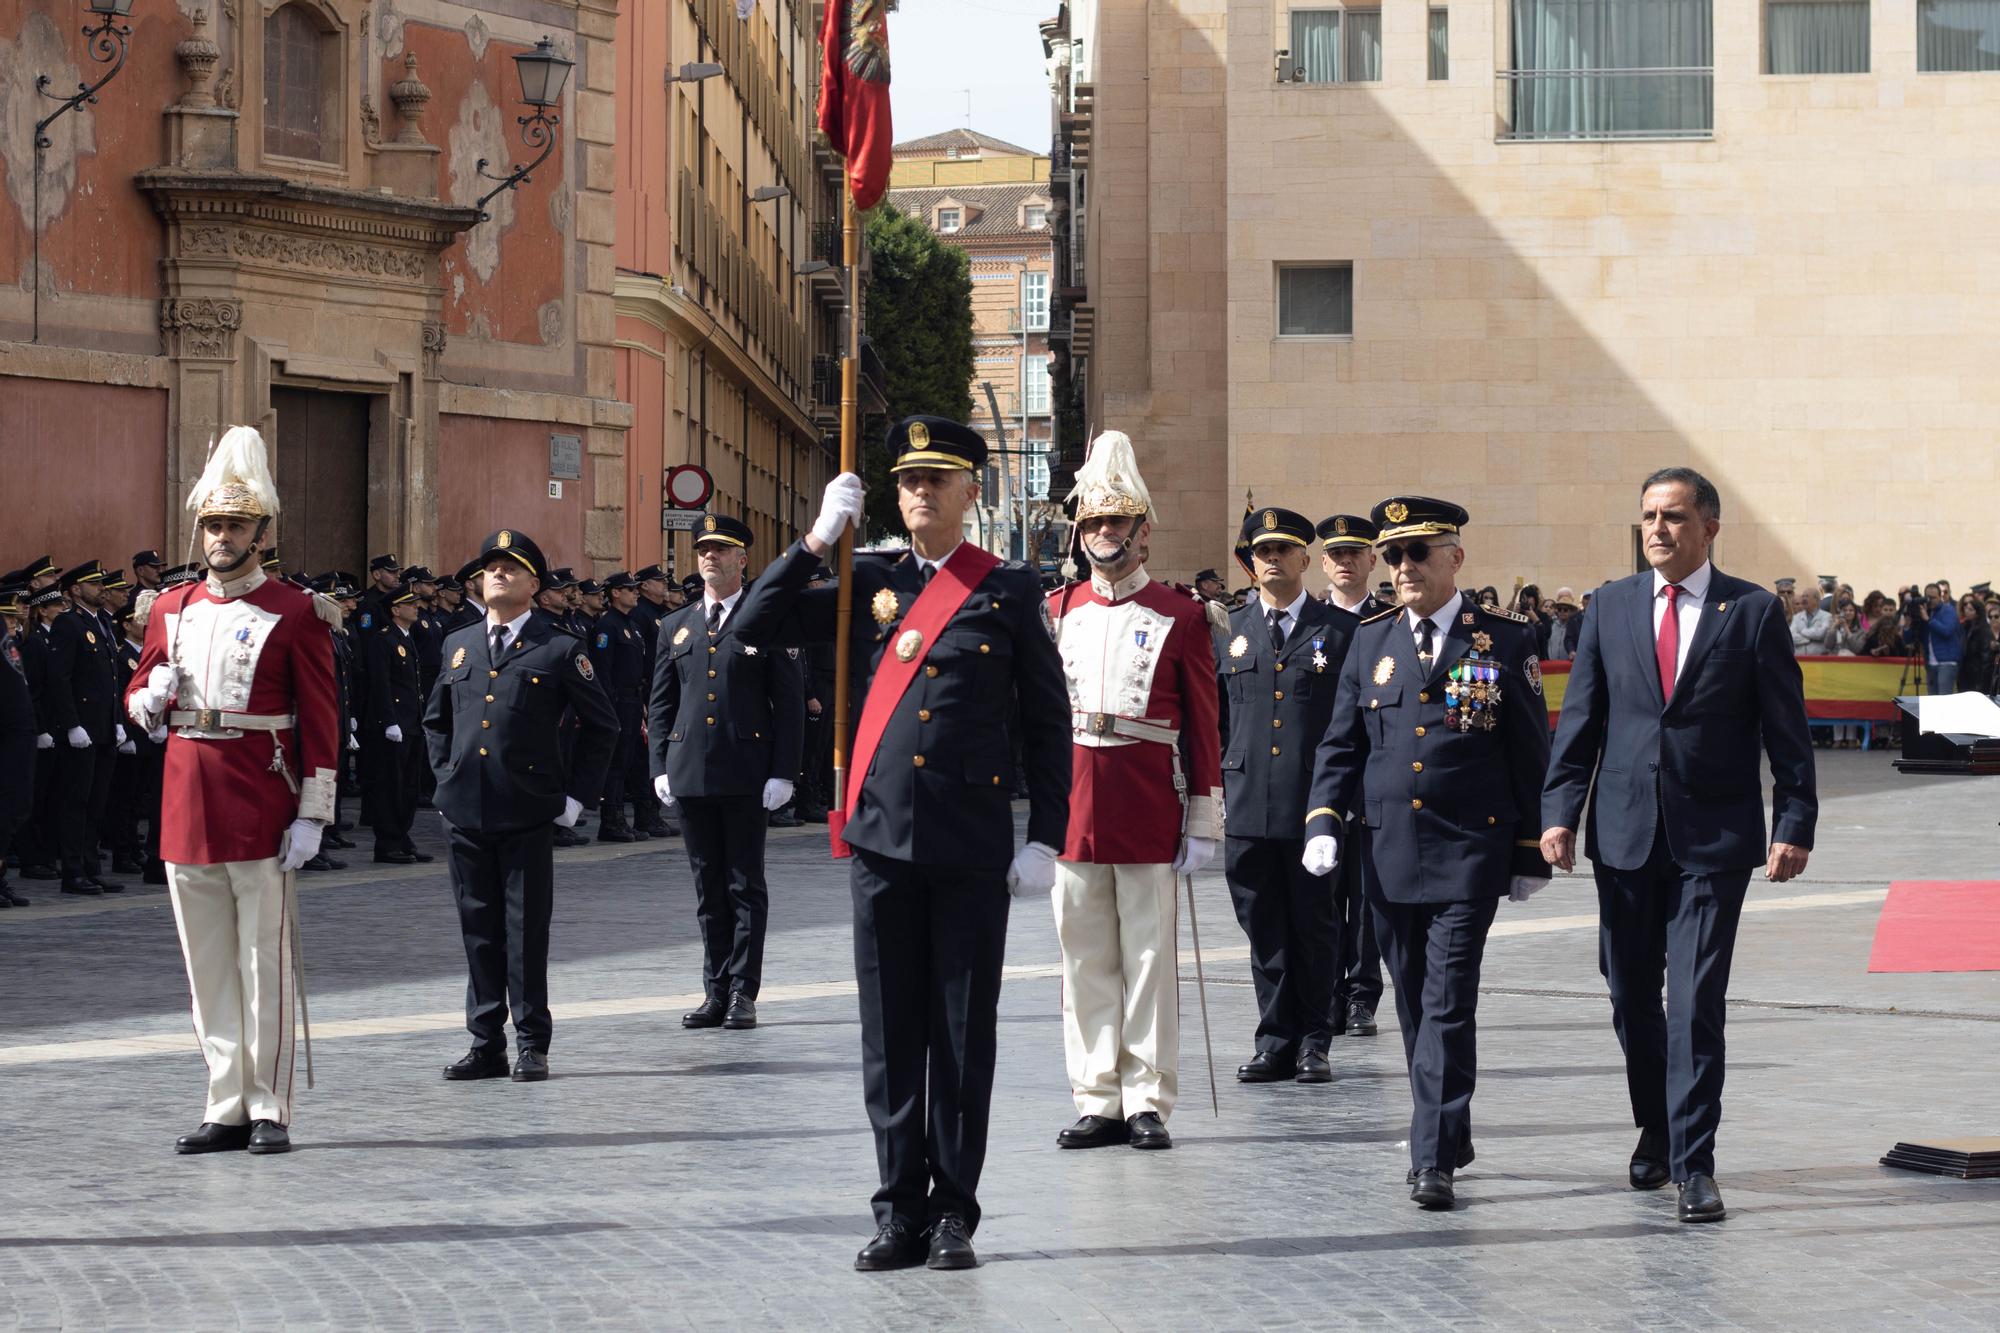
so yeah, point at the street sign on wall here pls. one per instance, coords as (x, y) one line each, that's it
(566, 457)
(687, 486)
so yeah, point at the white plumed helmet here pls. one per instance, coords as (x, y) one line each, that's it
(237, 481)
(1108, 483)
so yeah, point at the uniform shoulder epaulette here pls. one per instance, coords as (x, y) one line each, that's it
(326, 608)
(1382, 615)
(1504, 614)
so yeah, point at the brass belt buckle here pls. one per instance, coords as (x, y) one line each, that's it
(1100, 724)
(205, 719)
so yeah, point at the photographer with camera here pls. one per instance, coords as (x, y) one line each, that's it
(1930, 627)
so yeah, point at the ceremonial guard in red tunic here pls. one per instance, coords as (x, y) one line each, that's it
(239, 668)
(1145, 779)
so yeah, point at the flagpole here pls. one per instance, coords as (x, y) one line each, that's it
(850, 367)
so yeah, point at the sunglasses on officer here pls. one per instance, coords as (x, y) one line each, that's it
(1415, 552)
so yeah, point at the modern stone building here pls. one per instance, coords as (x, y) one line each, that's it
(992, 200)
(268, 216)
(1520, 252)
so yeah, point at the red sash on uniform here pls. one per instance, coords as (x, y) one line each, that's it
(962, 571)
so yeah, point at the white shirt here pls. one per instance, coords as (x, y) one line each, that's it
(728, 604)
(1333, 599)
(513, 629)
(932, 565)
(1288, 617)
(1687, 608)
(1440, 620)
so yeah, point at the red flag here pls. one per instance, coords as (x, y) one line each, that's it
(854, 93)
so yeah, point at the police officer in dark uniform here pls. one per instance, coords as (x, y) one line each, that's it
(816, 769)
(727, 721)
(469, 611)
(83, 713)
(129, 803)
(552, 603)
(492, 727)
(649, 607)
(1440, 738)
(618, 651)
(391, 743)
(427, 636)
(1279, 670)
(930, 818)
(1347, 557)
(17, 733)
(40, 855)
(147, 569)
(384, 577)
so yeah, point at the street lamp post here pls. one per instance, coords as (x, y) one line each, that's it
(543, 73)
(108, 43)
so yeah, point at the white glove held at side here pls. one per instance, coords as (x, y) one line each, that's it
(1523, 887)
(45, 742)
(1194, 856)
(1033, 870)
(841, 507)
(1321, 853)
(661, 791)
(299, 845)
(776, 792)
(572, 808)
(394, 733)
(79, 739)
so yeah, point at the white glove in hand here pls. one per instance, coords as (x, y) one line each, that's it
(118, 730)
(162, 684)
(1523, 887)
(353, 724)
(661, 791)
(1321, 853)
(1033, 870)
(571, 809)
(128, 747)
(158, 735)
(352, 743)
(79, 739)
(841, 507)
(299, 845)
(1194, 856)
(45, 742)
(776, 792)
(394, 733)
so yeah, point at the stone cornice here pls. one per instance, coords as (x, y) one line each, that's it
(645, 297)
(187, 197)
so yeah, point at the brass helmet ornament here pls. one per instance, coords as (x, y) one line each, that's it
(237, 483)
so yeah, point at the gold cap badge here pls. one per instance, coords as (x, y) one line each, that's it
(920, 438)
(1340, 527)
(506, 539)
(1395, 511)
(708, 524)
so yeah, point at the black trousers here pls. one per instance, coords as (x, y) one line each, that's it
(1294, 942)
(816, 772)
(929, 942)
(1661, 926)
(725, 847)
(125, 804)
(37, 837)
(638, 767)
(1433, 952)
(504, 884)
(611, 804)
(1360, 956)
(394, 771)
(77, 801)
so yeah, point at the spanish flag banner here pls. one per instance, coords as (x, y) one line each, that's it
(854, 93)
(1838, 689)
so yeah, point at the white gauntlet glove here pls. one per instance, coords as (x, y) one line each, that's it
(1321, 853)
(1194, 856)
(1033, 871)
(299, 845)
(162, 685)
(393, 733)
(661, 791)
(45, 741)
(158, 735)
(840, 509)
(79, 739)
(571, 809)
(776, 792)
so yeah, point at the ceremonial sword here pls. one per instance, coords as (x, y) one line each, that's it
(1201, 988)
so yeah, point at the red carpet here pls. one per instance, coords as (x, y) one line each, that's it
(1939, 926)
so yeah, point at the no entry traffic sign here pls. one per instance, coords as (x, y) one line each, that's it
(688, 486)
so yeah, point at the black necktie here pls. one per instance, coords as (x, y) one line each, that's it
(1424, 628)
(925, 577)
(499, 642)
(1277, 619)
(715, 618)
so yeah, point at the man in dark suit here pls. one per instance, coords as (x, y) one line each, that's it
(82, 696)
(384, 577)
(492, 726)
(1439, 741)
(1347, 556)
(944, 637)
(392, 758)
(727, 720)
(1279, 670)
(1683, 681)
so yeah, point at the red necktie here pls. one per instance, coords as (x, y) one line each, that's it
(1667, 647)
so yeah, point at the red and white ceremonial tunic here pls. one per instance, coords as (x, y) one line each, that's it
(253, 743)
(1140, 670)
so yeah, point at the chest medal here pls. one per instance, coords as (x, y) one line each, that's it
(1385, 669)
(680, 636)
(884, 607)
(1238, 646)
(908, 645)
(458, 659)
(1472, 692)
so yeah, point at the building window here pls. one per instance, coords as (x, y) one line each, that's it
(302, 111)
(1337, 45)
(1315, 300)
(1816, 37)
(1440, 45)
(1958, 35)
(1035, 217)
(1035, 302)
(1035, 387)
(949, 220)
(1613, 69)
(1038, 470)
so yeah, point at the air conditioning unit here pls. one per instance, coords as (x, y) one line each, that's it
(1288, 70)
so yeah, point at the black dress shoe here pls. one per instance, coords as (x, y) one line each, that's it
(14, 899)
(1264, 1067)
(477, 1064)
(107, 885)
(531, 1066)
(1648, 1170)
(212, 1137)
(1701, 1201)
(156, 872)
(1148, 1131)
(616, 833)
(671, 829)
(784, 819)
(742, 1013)
(324, 862)
(1465, 1156)
(895, 1246)
(82, 888)
(396, 858)
(421, 858)
(40, 872)
(658, 829)
(333, 841)
(1094, 1131)
(708, 1014)
(124, 865)
(569, 838)
(1433, 1190)
(640, 835)
(268, 1136)
(1360, 1020)
(951, 1244)
(1313, 1068)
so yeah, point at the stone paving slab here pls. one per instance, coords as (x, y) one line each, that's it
(668, 1179)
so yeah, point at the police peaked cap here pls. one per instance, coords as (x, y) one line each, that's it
(1402, 516)
(1346, 530)
(87, 572)
(388, 562)
(1276, 525)
(510, 544)
(935, 442)
(723, 528)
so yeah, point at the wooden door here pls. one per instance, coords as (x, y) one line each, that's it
(321, 457)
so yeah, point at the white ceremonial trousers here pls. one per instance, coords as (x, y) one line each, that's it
(1121, 986)
(232, 919)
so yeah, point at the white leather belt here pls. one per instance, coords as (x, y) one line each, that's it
(1129, 728)
(221, 719)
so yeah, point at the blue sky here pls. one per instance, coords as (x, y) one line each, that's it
(939, 49)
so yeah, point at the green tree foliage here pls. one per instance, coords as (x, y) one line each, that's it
(919, 318)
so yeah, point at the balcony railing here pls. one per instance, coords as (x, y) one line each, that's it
(1668, 102)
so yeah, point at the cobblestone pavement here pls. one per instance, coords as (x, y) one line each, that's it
(668, 1179)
